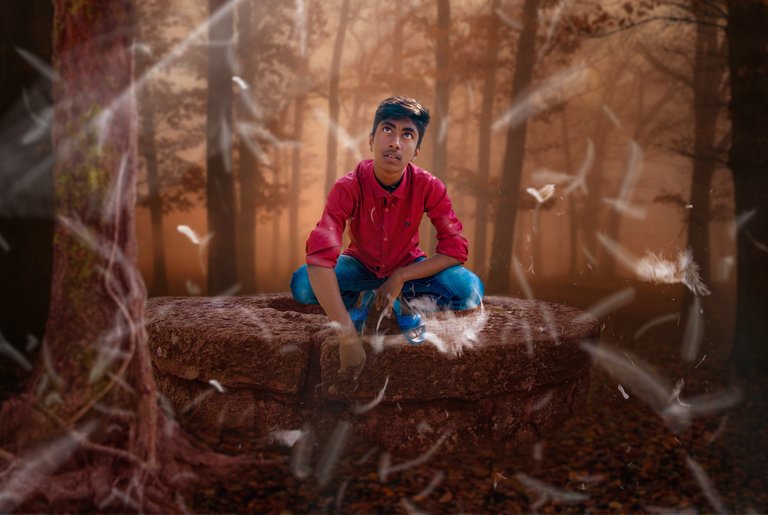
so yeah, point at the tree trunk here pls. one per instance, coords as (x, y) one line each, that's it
(624, 188)
(295, 192)
(398, 38)
(484, 140)
(506, 211)
(222, 269)
(26, 224)
(709, 67)
(573, 236)
(439, 121)
(250, 173)
(278, 239)
(442, 90)
(87, 435)
(358, 123)
(149, 150)
(332, 144)
(748, 160)
(593, 202)
(94, 336)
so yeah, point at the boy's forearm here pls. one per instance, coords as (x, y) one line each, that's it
(326, 289)
(430, 266)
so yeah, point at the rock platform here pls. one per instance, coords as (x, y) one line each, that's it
(258, 367)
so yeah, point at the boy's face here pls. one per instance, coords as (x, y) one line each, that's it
(394, 145)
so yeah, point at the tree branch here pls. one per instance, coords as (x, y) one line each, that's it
(664, 68)
(640, 23)
(716, 7)
(112, 451)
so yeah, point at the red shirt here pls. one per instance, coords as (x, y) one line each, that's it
(384, 226)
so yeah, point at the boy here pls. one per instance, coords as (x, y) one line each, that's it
(384, 200)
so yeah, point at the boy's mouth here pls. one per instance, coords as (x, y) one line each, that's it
(392, 155)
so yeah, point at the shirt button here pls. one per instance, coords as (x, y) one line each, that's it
(386, 210)
(386, 239)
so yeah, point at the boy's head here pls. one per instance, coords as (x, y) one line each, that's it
(402, 107)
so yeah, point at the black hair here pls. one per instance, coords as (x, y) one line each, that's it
(402, 107)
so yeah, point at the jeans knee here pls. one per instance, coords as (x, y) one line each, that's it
(301, 289)
(469, 291)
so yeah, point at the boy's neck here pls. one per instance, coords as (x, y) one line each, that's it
(391, 179)
(389, 187)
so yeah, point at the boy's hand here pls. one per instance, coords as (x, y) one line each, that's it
(389, 291)
(351, 352)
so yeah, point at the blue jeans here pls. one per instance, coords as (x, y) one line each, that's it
(453, 288)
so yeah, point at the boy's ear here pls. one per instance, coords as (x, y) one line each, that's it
(416, 152)
(370, 141)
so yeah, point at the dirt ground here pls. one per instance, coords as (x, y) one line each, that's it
(619, 456)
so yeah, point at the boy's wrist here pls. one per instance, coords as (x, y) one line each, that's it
(348, 335)
(399, 275)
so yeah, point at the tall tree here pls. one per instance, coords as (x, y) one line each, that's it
(277, 236)
(332, 142)
(484, 135)
(222, 269)
(170, 129)
(514, 153)
(97, 293)
(299, 106)
(748, 160)
(709, 69)
(88, 433)
(591, 219)
(440, 115)
(442, 89)
(649, 123)
(573, 205)
(249, 169)
(149, 151)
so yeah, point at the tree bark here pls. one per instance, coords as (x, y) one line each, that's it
(439, 121)
(278, 239)
(573, 232)
(149, 150)
(442, 90)
(591, 220)
(709, 67)
(398, 39)
(87, 434)
(507, 201)
(484, 140)
(94, 339)
(295, 192)
(613, 216)
(332, 143)
(748, 160)
(222, 263)
(250, 173)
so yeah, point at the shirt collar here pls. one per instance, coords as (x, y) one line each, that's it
(378, 191)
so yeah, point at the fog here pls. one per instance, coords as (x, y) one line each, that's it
(609, 92)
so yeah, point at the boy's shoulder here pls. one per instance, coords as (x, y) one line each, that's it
(420, 174)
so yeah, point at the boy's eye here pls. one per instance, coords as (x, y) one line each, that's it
(386, 129)
(408, 135)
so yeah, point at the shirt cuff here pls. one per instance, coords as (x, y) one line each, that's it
(325, 262)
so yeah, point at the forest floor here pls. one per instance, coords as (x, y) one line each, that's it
(618, 456)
